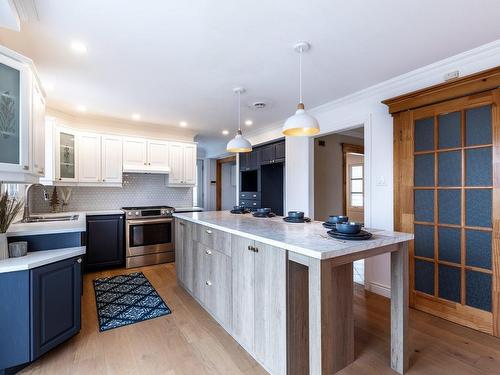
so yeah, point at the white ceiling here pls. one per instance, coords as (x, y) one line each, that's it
(179, 60)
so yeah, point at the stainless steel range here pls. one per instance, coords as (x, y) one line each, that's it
(149, 235)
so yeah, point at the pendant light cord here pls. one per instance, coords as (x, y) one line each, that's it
(300, 75)
(239, 110)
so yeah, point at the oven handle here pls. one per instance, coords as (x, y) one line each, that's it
(149, 221)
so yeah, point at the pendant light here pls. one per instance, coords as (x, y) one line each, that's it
(301, 123)
(239, 143)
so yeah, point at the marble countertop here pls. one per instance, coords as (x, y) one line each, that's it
(188, 209)
(39, 258)
(79, 225)
(309, 239)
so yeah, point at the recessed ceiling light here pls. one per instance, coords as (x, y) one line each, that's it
(248, 122)
(81, 108)
(78, 47)
(136, 116)
(183, 124)
(48, 86)
(225, 132)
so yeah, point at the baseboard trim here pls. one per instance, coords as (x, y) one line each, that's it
(381, 289)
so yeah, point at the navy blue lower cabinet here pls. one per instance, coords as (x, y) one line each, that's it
(39, 309)
(56, 304)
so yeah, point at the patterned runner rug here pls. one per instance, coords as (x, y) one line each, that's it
(126, 299)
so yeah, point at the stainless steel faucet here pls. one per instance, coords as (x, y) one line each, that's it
(26, 214)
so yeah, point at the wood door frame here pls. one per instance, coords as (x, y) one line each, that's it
(218, 180)
(469, 88)
(348, 148)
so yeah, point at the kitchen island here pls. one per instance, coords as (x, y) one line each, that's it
(284, 291)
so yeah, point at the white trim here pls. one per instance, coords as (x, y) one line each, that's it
(381, 289)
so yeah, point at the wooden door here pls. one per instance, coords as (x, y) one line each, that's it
(135, 154)
(112, 159)
(89, 161)
(447, 188)
(218, 295)
(157, 156)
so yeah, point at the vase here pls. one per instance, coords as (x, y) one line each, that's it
(4, 247)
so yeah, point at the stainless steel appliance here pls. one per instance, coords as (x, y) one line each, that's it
(149, 235)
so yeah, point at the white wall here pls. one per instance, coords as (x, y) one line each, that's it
(365, 108)
(228, 191)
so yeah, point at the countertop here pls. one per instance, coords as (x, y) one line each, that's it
(309, 239)
(39, 258)
(188, 209)
(31, 229)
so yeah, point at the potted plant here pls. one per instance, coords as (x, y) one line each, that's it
(9, 209)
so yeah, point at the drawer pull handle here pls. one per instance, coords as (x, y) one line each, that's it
(208, 252)
(209, 231)
(208, 283)
(181, 223)
(79, 260)
(252, 248)
(255, 196)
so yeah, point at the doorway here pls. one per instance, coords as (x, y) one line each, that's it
(339, 180)
(225, 183)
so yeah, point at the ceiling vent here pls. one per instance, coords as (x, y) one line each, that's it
(259, 104)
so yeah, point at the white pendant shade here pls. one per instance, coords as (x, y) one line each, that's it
(239, 143)
(301, 124)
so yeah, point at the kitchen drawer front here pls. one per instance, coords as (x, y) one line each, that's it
(249, 203)
(255, 195)
(213, 238)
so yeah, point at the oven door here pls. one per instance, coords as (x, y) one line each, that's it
(149, 236)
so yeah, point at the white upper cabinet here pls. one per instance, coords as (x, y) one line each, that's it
(111, 170)
(22, 106)
(89, 166)
(182, 160)
(65, 155)
(135, 154)
(157, 156)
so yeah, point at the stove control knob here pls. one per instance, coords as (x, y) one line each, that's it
(136, 213)
(129, 213)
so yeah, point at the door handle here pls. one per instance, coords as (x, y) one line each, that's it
(208, 252)
(208, 231)
(208, 283)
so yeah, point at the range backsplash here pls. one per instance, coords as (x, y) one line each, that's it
(137, 190)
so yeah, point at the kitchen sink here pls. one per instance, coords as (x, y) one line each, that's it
(45, 219)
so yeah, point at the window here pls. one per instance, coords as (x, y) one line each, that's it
(356, 185)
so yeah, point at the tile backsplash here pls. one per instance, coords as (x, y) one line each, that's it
(138, 190)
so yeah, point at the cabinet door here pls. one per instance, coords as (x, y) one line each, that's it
(189, 165)
(254, 159)
(15, 89)
(188, 258)
(270, 314)
(218, 294)
(105, 245)
(157, 156)
(243, 291)
(179, 248)
(280, 151)
(267, 154)
(89, 161)
(135, 154)
(112, 159)
(66, 155)
(55, 304)
(38, 123)
(244, 161)
(176, 161)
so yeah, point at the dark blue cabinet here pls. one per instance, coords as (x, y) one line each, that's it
(55, 304)
(39, 309)
(105, 241)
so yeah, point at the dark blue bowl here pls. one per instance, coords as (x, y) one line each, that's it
(296, 214)
(263, 210)
(348, 228)
(334, 219)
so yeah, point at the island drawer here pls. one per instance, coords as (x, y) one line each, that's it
(212, 238)
(249, 203)
(252, 195)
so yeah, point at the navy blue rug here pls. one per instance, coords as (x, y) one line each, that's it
(126, 299)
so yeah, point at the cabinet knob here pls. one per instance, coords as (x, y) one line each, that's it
(145, 163)
(149, 163)
(208, 252)
(103, 180)
(208, 231)
(25, 167)
(208, 283)
(79, 260)
(181, 223)
(60, 178)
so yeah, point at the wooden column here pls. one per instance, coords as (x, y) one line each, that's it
(331, 320)
(399, 309)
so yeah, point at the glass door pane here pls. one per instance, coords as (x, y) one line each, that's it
(9, 114)
(67, 155)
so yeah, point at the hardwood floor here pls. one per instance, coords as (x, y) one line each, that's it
(190, 342)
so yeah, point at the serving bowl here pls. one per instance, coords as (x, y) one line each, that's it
(348, 228)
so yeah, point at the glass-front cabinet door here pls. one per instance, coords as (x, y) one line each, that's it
(65, 155)
(14, 121)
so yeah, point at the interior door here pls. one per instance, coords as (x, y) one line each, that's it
(448, 167)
